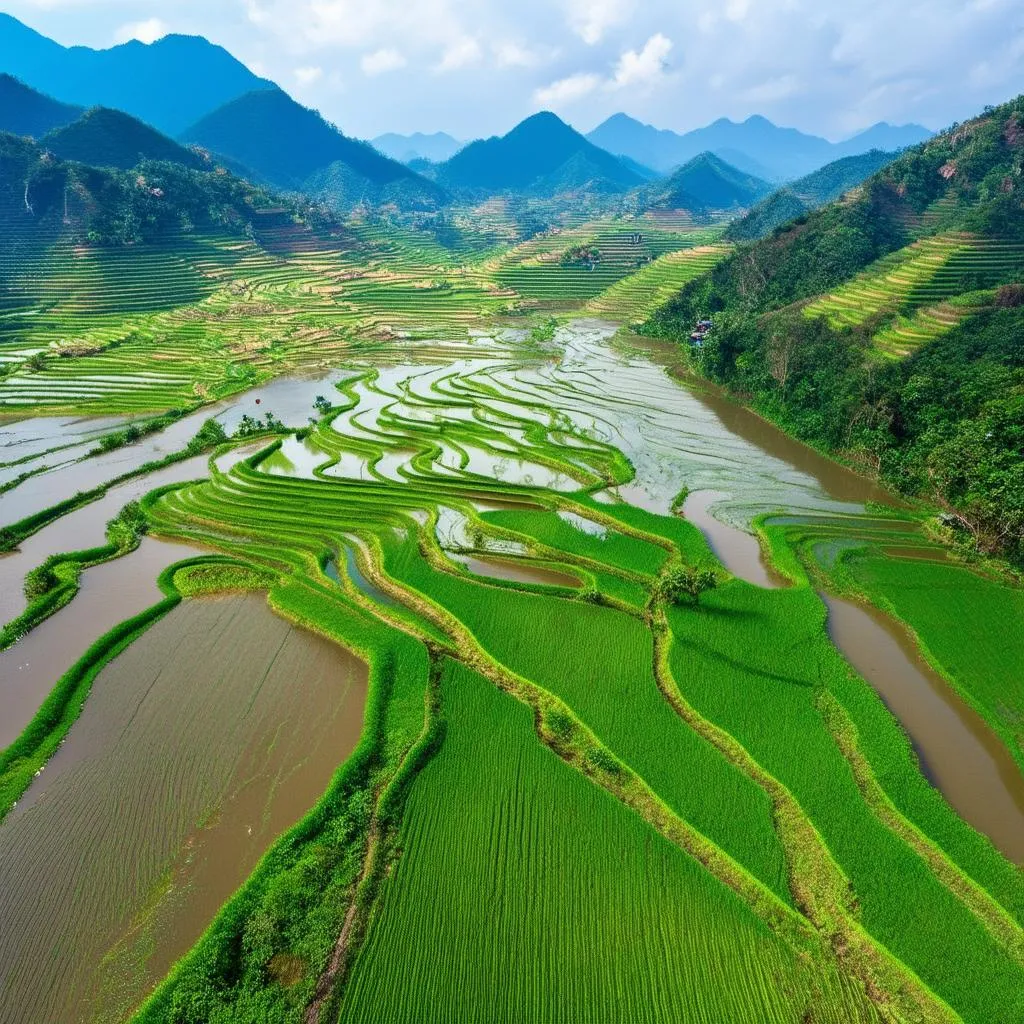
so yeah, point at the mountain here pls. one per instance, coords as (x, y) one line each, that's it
(110, 138)
(24, 111)
(703, 184)
(806, 194)
(540, 152)
(886, 327)
(285, 143)
(889, 138)
(755, 145)
(646, 173)
(44, 199)
(169, 84)
(436, 148)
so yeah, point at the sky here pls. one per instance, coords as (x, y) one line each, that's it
(477, 67)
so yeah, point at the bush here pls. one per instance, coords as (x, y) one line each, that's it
(686, 583)
(560, 724)
(125, 529)
(40, 581)
(209, 435)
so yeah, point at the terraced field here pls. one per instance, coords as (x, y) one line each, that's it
(574, 796)
(925, 289)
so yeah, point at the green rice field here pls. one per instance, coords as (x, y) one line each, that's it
(420, 726)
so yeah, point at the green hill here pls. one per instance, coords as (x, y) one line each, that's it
(285, 143)
(705, 183)
(541, 154)
(800, 197)
(110, 138)
(24, 111)
(887, 327)
(44, 198)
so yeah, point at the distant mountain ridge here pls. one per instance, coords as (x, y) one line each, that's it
(169, 84)
(436, 147)
(755, 145)
(541, 153)
(24, 111)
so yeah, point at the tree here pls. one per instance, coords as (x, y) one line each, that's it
(322, 405)
(686, 583)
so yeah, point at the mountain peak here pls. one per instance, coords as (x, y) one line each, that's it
(146, 80)
(706, 182)
(535, 149)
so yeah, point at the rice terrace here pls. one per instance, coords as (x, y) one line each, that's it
(547, 578)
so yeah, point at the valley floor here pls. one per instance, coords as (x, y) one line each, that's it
(375, 701)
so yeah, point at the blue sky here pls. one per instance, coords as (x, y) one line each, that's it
(474, 67)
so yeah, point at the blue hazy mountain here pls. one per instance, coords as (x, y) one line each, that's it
(436, 147)
(169, 84)
(755, 145)
(24, 111)
(542, 153)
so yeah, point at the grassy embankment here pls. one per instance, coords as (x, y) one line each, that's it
(856, 875)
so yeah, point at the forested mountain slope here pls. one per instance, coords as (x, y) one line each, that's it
(799, 197)
(24, 111)
(110, 138)
(45, 199)
(287, 144)
(889, 327)
(705, 183)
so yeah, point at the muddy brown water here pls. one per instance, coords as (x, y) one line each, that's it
(202, 742)
(519, 572)
(85, 528)
(80, 530)
(835, 480)
(290, 399)
(109, 594)
(739, 552)
(961, 755)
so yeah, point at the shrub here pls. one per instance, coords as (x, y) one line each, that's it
(209, 435)
(40, 581)
(560, 724)
(125, 529)
(686, 583)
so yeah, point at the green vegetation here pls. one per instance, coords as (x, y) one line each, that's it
(800, 197)
(109, 138)
(884, 328)
(704, 184)
(549, 925)
(651, 763)
(684, 583)
(960, 619)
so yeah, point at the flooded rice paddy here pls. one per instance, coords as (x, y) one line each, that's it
(220, 726)
(957, 749)
(201, 743)
(109, 594)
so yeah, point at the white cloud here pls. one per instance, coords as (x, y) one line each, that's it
(308, 76)
(381, 61)
(462, 53)
(634, 69)
(567, 90)
(773, 89)
(148, 31)
(591, 19)
(645, 67)
(512, 55)
(737, 10)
